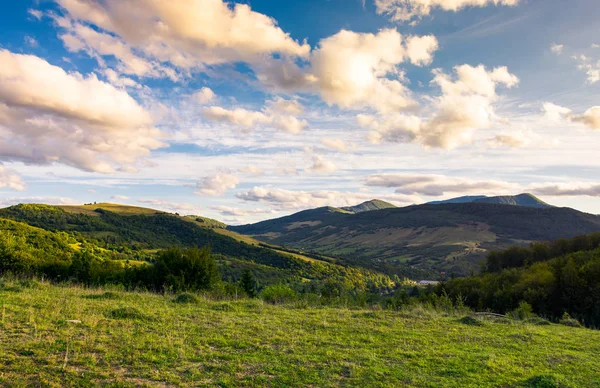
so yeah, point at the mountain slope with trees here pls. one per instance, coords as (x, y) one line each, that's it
(454, 238)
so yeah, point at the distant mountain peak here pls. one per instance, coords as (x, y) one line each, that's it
(374, 204)
(524, 199)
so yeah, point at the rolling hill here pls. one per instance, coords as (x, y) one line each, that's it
(140, 232)
(450, 237)
(374, 204)
(525, 199)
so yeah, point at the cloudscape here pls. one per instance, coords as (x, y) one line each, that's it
(244, 111)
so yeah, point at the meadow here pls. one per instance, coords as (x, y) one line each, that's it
(68, 335)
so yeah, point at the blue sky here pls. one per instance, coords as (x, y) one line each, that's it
(250, 110)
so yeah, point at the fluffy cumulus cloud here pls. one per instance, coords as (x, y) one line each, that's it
(590, 66)
(590, 118)
(407, 10)
(10, 179)
(282, 199)
(204, 96)
(182, 35)
(50, 116)
(322, 165)
(437, 185)
(465, 105)
(355, 70)
(216, 185)
(276, 114)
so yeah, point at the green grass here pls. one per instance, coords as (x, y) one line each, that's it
(142, 339)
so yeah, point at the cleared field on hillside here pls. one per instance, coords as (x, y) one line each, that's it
(141, 339)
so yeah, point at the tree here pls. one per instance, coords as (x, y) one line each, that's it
(248, 283)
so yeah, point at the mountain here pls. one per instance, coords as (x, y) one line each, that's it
(526, 199)
(375, 204)
(134, 233)
(465, 199)
(451, 237)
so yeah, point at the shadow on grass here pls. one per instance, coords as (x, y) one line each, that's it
(108, 295)
(542, 381)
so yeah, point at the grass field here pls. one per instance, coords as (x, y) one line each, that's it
(142, 339)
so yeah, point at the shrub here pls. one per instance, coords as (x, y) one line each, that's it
(470, 321)
(127, 313)
(568, 321)
(523, 312)
(185, 298)
(105, 295)
(278, 293)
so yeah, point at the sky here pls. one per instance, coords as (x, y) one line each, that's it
(249, 110)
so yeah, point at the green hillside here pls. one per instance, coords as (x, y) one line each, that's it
(526, 199)
(375, 204)
(554, 278)
(57, 336)
(424, 239)
(138, 233)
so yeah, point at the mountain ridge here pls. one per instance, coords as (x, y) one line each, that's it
(524, 199)
(451, 237)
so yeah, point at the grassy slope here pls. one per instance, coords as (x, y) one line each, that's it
(248, 343)
(450, 237)
(154, 230)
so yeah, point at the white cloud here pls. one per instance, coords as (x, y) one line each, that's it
(335, 144)
(290, 107)
(521, 139)
(171, 207)
(237, 212)
(216, 185)
(322, 165)
(50, 116)
(10, 179)
(239, 116)
(407, 10)
(252, 170)
(555, 112)
(352, 69)
(590, 66)
(30, 41)
(466, 105)
(420, 49)
(590, 118)
(247, 120)
(120, 197)
(437, 185)
(4, 202)
(557, 48)
(204, 96)
(98, 45)
(187, 34)
(35, 13)
(567, 189)
(282, 199)
(355, 70)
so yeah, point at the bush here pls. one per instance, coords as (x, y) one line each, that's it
(185, 298)
(470, 321)
(568, 321)
(127, 313)
(278, 293)
(523, 312)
